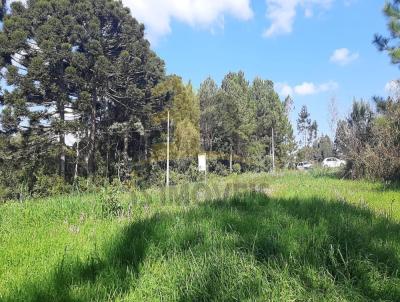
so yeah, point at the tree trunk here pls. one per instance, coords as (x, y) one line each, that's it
(92, 151)
(125, 154)
(87, 153)
(108, 157)
(62, 141)
(118, 159)
(206, 138)
(146, 146)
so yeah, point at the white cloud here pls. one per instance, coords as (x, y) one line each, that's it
(305, 88)
(343, 56)
(157, 15)
(284, 89)
(282, 14)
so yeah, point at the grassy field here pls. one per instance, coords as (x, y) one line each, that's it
(287, 237)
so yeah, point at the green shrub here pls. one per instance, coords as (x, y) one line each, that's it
(5, 193)
(236, 168)
(221, 169)
(370, 141)
(150, 174)
(193, 173)
(82, 184)
(176, 178)
(47, 185)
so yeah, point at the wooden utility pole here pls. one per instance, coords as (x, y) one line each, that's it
(167, 179)
(230, 161)
(77, 158)
(273, 151)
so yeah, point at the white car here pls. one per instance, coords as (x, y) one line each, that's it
(305, 165)
(333, 162)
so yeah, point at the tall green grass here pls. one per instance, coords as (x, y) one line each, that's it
(287, 237)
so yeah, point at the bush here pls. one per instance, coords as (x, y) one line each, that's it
(193, 173)
(82, 184)
(221, 169)
(149, 174)
(5, 193)
(47, 185)
(236, 168)
(131, 183)
(176, 178)
(370, 141)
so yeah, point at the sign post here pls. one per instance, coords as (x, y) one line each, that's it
(203, 165)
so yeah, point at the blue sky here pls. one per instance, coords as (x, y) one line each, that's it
(312, 49)
(291, 42)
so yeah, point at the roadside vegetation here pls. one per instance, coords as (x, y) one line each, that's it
(291, 236)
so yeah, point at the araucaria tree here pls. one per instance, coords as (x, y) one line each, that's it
(77, 68)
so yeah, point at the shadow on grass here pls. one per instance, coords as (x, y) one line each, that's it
(328, 248)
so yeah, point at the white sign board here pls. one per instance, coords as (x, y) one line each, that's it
(202, 162)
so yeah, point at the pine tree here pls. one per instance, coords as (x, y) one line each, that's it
(2, 9)
(312, 132)
(390, 45)
(303, 124)
(208, 120)
(288, 104)
(271, 116)
(236, 114)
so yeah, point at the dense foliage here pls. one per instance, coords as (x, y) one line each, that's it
(370, 138)
(86, 101)
(240, 119)
(79, 71)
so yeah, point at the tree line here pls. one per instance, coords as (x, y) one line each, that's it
(242, 119)
(86, 99)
